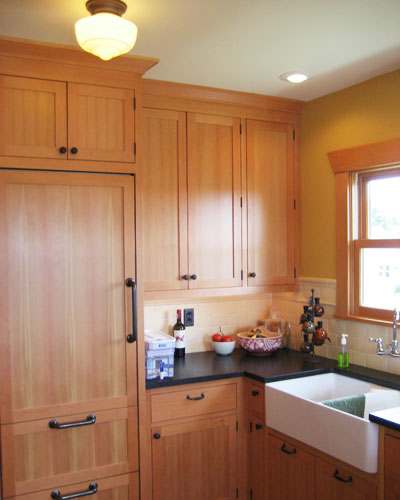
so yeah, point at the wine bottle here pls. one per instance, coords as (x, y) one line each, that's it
(179, 334)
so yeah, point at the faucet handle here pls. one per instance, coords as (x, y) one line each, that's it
(379, 345)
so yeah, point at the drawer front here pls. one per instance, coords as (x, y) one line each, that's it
(37, 457)
(255, 398)
(193, 402)
(124, 487)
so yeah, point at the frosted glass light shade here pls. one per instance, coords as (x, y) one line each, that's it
(105, 35)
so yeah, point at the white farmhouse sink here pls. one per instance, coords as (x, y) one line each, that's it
(294, 407)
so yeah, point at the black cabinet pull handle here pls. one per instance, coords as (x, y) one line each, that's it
(252, 275)
(63, 150)
(90, 419)
(56, 494)
(195, 399)
(258, 426)
(285, 450)
(74, 150)
(193, 277)
(156, 435)
(130, 282)
(336, 476)
(255, 393)
(185, 277)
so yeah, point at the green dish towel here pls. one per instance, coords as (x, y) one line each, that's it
(355, 405)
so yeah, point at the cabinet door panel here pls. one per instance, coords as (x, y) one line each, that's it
(214, 201)
(270, 184)
(36, 456)
(164, 200)
(195, 460)
(101, 123)
(291, 471)
(33, 118)
(328, 487)
(124, 487)
(67, 249)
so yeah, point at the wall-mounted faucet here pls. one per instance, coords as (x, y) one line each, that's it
(393, 348)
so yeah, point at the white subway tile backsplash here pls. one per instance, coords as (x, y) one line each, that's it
(235, 315)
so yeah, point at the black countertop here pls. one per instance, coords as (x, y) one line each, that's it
(280, 365)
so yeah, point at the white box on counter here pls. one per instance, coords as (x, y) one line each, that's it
(160, 347)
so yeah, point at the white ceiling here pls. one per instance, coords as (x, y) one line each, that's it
(240, 45)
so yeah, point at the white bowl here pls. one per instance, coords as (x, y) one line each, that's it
(223, 348)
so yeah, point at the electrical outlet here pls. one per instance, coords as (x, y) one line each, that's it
(188, 316)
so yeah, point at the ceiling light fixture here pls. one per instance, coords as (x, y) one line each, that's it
(294, 77)
(105, 33)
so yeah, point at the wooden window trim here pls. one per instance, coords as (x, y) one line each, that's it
(345, 163)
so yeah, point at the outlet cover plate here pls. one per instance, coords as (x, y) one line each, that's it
(188, 317)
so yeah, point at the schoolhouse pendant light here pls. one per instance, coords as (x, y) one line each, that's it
(105, 33)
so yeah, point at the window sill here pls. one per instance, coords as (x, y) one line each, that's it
(361, 319)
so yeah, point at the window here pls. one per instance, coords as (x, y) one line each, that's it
(368, 230)
(376, 242)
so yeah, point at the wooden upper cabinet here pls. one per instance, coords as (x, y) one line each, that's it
(270, 192)
(33, 117)
(214, 212)
(192, 213)
(67, 247)
(49, 119)
(164, 200)
(101, 123)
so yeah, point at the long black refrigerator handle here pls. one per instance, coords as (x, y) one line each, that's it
(132, 337)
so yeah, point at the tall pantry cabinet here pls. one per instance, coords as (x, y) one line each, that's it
(71, 342)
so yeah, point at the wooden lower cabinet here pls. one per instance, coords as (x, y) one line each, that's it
(125, 487)
(392, 472)
(298, 473)
(257, 459)
(195, 459)
(37, 456)
(291, 471)
(337, 483)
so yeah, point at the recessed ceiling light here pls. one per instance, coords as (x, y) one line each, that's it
(294, 77)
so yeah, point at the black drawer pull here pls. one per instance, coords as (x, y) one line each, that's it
(156, 435)
(185, 277)
(258, 426)
(255, 393)
(336, 476)
(74, 150)
(56, 494)
(63, 150)
(195, 399)
(252, 275)
(285, 450)
(193, 277)
(90, 419)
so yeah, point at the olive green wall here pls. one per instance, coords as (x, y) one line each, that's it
(365, 113)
